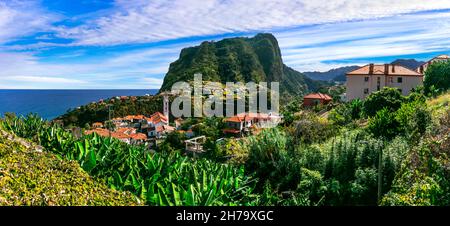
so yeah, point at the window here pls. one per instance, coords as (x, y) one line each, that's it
(366, 79)
(366, 91)
(399, 80)
(378, 83)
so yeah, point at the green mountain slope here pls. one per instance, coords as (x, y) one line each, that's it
(408, 63)
(336, 74)
(238, 60)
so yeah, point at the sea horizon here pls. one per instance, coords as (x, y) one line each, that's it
(51, 103)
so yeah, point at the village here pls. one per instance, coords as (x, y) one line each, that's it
(153, 129)
(150, 131)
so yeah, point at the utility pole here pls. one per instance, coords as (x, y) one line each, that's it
(380, 172)
(109, 112)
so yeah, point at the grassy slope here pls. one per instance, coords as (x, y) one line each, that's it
(439, 104)
(424, 177)
(30, 177)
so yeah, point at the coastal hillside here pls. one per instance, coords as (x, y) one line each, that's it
(30, 176)
(114, 107)
(238, 60)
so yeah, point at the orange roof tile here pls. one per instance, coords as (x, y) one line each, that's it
(164, 128)
(319, 96)
(241, 117)
(99, 131)
(119, 135)
(235, 131)
(380, 69)
(138, 136)
(157, 117)
(234, 119)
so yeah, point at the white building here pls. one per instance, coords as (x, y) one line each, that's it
(371, 78)
(422, 68)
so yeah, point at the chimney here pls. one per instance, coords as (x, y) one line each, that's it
(370, 69)
(386, 69)
(393, 68)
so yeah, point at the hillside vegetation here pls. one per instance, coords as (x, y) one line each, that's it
(309, 161)
(100, 111)
(31, 177)
(156, 178)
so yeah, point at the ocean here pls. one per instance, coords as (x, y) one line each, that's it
(50, 104)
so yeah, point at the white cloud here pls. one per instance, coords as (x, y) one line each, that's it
(153, 83)
(150, 21)
(20, 18)
(142, 68)
(340, 30)
(307, 49)
(43, 79)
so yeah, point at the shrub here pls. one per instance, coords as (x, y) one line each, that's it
(310, 128)
(289, 111)
(345, 113)
(437, 78)
(232, 150)
(414, 119)
(174, 140)
(389, 98)
(271, 160)
(384, 124)
(424, 177)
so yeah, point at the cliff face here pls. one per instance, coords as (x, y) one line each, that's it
(238, 60)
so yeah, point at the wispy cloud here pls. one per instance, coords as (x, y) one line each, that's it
(132, 43)
(42, 79)
(311, 48)
(20, 18)
(144, 68)
(150, 21)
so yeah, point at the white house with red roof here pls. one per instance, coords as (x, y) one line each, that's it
(422, 68)
(244, 122)
(314, 99)
(371, 78)
(158, 125)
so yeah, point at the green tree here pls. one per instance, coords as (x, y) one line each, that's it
(389, 98)
(110, 125)
(413, 119)
(289, 111)
(175, 140)
(87, 126)
(384, 124)
(345, 113)
(437, 77)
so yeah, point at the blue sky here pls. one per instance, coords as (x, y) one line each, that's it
(129, 44)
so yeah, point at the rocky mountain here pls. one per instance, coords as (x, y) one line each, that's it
(337, 74)
(239, 60)
(408, 63)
